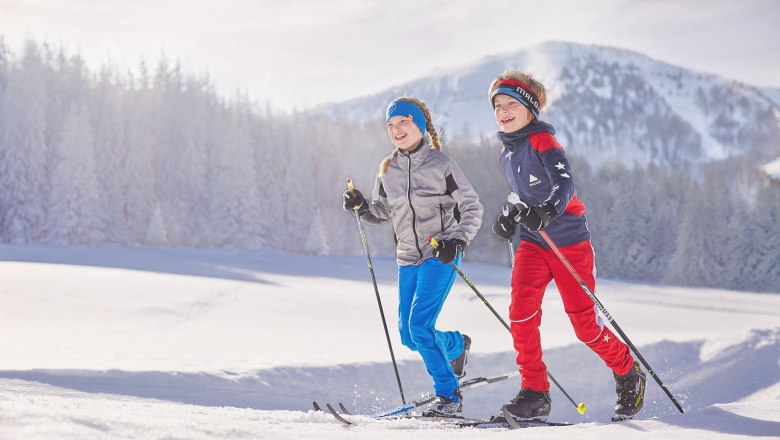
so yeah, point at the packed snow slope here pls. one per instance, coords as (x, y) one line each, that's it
(120, 342)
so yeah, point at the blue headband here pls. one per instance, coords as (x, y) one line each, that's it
(399, 107)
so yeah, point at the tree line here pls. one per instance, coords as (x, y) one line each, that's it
(158, 157)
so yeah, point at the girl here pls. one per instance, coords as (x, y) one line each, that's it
(543, 197)
(424, 193)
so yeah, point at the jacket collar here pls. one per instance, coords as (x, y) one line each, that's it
(513, 139)
(419, 152)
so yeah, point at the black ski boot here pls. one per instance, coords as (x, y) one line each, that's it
(631, 393)
(530, 405)
(459, 363)
(445, 407)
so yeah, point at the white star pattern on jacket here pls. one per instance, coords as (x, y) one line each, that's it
(560, 166)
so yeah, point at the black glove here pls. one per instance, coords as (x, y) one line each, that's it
(448, 249)
(504, 226)
(536, 217)
(354, 200)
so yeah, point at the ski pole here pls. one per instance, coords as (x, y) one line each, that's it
(606, 314)
(511, 253)
(376, 291)
(581, 407)
(505, 212)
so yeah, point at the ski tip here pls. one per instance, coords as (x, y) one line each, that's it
(344, 409)
(581, 408)
(338, 416)
(349, 184)
(316, 406)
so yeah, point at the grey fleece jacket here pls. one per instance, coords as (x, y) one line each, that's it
(419, 193)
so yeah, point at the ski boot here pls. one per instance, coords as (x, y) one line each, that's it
(459, 364)
(631, 393)
(445, 407)
(530, 405)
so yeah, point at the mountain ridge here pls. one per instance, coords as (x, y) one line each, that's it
(606, 104)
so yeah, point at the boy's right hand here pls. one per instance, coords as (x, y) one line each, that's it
(504, 226)
(354, 200)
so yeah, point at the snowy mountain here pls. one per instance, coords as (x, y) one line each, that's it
(135, 342)
(607, 104)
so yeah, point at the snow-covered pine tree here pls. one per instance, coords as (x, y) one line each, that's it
(666, 200)
(740, 256)
(699, 258)
(304, 155)
(764, 255)
(138, 177)
(110, 153)
(184, 104)
(602, 195)
(72, 217)
(23, 150)
(629, 235)
(233, 203)
(270, 162)
(156, 233)
(317, 241)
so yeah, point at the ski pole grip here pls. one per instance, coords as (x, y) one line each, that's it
(433, 241)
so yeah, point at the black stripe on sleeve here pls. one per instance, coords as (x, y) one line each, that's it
(452, 186)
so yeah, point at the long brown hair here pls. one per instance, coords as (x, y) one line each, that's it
(433, 135)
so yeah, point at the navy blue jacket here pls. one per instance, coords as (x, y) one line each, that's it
(537, 170)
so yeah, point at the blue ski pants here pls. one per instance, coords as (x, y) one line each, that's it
(422, 289)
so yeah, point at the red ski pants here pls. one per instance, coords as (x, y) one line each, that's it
(534, 268)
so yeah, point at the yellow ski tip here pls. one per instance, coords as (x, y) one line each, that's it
(349, 184)
(581, 408)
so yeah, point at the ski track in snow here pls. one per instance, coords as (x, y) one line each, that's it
(223, 344)
(29, 410)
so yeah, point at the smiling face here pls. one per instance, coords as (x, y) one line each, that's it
(403, 132)
(510, 114)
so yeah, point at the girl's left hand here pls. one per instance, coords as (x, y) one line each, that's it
(448, 250)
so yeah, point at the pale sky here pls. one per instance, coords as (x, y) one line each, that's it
(300, 53)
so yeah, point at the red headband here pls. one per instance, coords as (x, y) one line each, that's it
(514, 83)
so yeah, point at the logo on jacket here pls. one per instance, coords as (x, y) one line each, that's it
(533, 181)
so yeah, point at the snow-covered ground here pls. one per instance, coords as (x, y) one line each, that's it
(122, 342)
